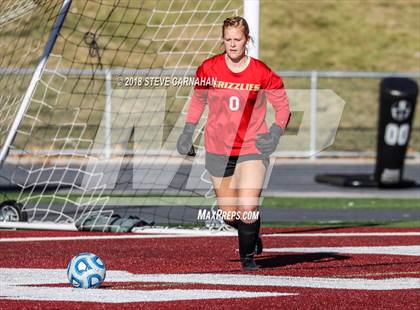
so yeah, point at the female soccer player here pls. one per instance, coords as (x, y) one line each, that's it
(237, 140)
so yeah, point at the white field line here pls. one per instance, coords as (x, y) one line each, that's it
(371, 234)
(205, 234)
(74, 238)
(409, 250)
(18, 277)
(125, 296)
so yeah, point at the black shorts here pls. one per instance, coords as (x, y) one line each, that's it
(224, 166)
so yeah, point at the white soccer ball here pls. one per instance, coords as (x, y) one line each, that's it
(86, 270)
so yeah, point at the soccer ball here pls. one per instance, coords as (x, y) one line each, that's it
(86, 270)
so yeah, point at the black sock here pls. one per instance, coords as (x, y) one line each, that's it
(247, 238)
(257, 231)
(233, 224)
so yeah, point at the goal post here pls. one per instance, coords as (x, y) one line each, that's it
(35, 77)
(89, 142)
(252, 16)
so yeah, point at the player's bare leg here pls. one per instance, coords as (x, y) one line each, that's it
(251, 177)
(226, 193)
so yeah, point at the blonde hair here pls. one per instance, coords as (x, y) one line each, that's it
(237, 22)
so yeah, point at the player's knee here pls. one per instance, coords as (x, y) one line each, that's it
(248, 202)
(227, 203)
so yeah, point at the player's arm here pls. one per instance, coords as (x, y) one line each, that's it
(198, 99)
(195, 110)
(276, 95)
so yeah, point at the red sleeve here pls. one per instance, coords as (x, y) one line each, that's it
(198, 100)
(276, 95)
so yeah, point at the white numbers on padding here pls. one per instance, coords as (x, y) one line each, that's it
(234, 103)
(395, 134)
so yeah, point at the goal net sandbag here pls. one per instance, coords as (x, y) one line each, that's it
(93, 96)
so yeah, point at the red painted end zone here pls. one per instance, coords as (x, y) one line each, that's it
(217, 258)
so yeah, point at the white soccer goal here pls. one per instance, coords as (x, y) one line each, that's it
(81, 134)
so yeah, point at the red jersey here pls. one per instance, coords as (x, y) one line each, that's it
(237, 104)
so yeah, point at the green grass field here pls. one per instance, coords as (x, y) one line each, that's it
(340, 203)
(323, 225)
(345, 36)
(356, 35)
(344, 204)
(348, 204)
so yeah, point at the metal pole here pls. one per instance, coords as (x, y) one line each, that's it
(34, 81)
(108, 114)
(314, 104)
(252, 16)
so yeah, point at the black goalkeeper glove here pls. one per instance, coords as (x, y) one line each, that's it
(267, 143)
(185, 144)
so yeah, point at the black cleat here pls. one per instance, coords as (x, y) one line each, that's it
(258, 246)
(248, 263)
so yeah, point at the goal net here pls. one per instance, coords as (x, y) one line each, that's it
(93, 96)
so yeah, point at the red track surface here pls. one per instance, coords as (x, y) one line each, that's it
(218, 256)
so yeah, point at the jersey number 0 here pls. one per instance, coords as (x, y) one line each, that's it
(234, 103)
